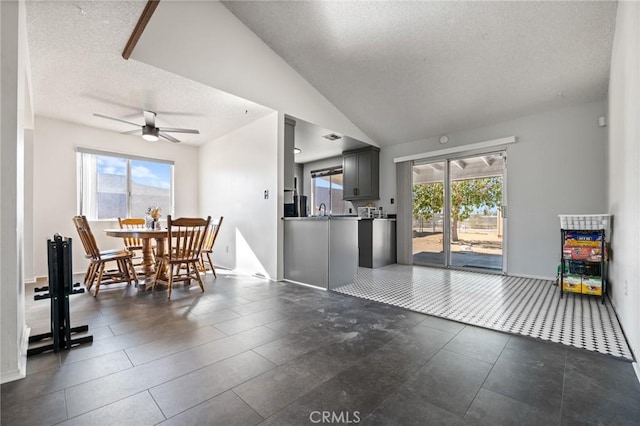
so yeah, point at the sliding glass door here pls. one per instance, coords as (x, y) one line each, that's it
(428, 214)
(458, 213)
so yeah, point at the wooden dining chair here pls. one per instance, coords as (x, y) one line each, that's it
(96, 272)
(133, 244)
(207, 246)
(186, 236)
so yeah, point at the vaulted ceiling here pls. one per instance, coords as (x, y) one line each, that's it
(77, 69)
(403, 71)
(400, 71)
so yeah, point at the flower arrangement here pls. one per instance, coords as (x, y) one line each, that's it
(154, 212)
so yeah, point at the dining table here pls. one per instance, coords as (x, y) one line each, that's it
(148, 264)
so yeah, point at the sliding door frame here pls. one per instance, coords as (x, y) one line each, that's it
(447, 159)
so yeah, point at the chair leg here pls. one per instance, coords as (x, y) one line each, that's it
(198, 277)
(133, 274)
(100, 271)
(91, 276)
(171, 279)
(159, 266)
(213, 269)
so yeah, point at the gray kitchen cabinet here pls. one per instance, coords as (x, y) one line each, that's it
(361, 174)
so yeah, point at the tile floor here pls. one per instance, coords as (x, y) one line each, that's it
(525, 306)
(249, 351)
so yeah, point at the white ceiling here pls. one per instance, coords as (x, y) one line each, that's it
(77, 69)
(404, 71)
(309, 138)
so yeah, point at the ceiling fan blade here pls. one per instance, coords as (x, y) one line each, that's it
(132, 132)
(149, 118)
(168, 137)
(174, 130)
(115, 119)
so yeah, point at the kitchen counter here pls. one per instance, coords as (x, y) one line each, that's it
(321, 251)
(330, 217)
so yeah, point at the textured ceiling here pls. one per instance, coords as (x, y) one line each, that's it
(77, 69)
(309, 138)
(403, 71)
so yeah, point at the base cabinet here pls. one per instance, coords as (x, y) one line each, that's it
(376, 242)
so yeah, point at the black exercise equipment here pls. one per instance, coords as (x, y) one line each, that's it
(59, 288)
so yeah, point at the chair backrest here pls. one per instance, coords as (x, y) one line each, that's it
(132, 223)
(186, 236)
(86, 236)
(212, 234)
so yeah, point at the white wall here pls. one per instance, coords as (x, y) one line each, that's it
(29, 270)
(55, 177)
(207, 43)
(557, 166)
(624, 174)
(13, 92)
(235, 170)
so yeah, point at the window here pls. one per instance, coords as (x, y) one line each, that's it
(113, 185)
(326, 187)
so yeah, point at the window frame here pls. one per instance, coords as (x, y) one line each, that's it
(328, 171)
(80, 151)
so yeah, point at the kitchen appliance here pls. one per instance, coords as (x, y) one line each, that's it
(300, 205)
(365, 212)
(289, 210)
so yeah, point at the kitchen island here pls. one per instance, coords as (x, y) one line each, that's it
(321, 251)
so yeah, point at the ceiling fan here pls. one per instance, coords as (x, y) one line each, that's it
(148, 130)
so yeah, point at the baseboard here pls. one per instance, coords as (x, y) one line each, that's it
(21, 371)
(534, 277)
(304, 284)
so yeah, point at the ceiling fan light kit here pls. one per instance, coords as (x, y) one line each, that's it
(148, 130)
(150, 133)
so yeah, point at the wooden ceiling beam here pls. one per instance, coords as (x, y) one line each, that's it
(146, 15)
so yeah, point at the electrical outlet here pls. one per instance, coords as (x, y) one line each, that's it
(227, 249)
(626, 287)
(266, 194)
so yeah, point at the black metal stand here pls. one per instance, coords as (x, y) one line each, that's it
(59, 288)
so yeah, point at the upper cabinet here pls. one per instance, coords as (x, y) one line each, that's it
(361, 174)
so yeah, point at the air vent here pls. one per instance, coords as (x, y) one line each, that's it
(332, 136)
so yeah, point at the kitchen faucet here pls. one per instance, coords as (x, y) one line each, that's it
(322, 209)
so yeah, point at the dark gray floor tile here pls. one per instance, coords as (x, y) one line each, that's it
(103, 391)
(277, 388)
(406, 408)
(226, 409)
(48, 381)
(492, 409)
(218, 316)
(177, 343)
(45, 410)
(534, 378)
(249, 321)
(187, 391)
(449, 381)
(479, 343)
(139, 409)
(41, 362)
(291, 346)
(599, 390)
(442, 324)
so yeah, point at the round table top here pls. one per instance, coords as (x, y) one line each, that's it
(136, 233)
